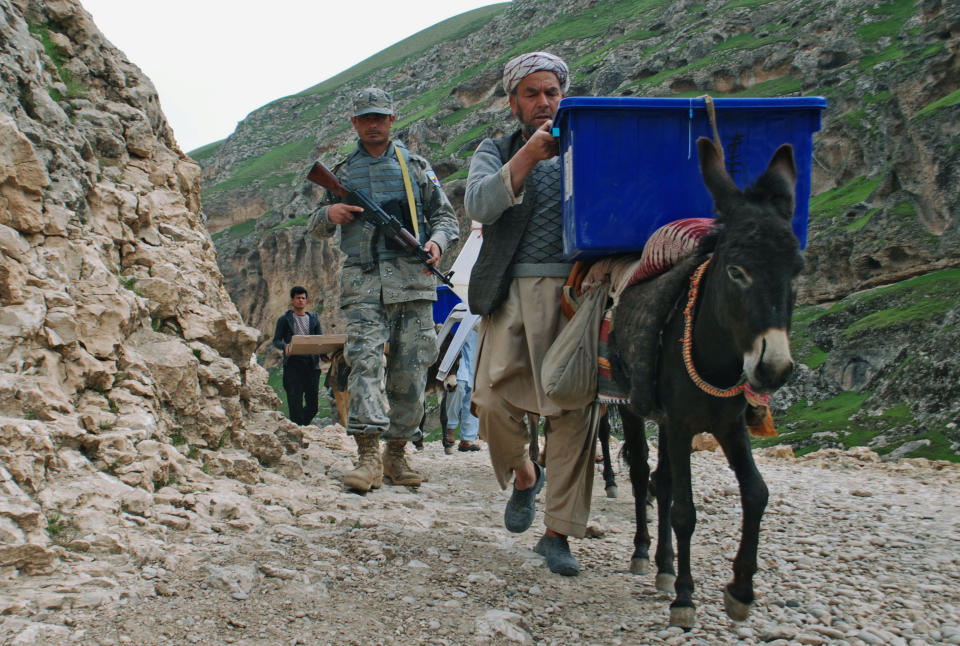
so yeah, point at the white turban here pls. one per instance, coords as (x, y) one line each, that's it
(526, 64)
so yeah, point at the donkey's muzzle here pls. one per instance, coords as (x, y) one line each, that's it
(768, 365)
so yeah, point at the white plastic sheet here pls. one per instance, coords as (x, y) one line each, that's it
(464, 262)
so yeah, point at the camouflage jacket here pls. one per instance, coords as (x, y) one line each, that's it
(374, 269)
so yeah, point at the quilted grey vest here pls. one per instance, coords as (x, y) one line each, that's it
(490, 277)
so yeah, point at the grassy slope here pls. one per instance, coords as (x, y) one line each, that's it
(450, 29)
(203, 153)
(276, 166)
(900, 306)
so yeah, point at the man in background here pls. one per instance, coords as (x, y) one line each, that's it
(458, 402)
(301, 372)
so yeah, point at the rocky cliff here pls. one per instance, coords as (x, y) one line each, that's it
(124, 365)
(886, 168)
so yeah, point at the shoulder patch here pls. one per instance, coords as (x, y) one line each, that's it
(433, 178)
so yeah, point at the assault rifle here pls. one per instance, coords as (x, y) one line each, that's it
(390, 225)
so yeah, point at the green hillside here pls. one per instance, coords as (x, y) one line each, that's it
(450, 29)
(876, 303)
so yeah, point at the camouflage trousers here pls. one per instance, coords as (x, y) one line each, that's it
(387, 393)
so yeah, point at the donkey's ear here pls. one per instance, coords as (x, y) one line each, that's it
(714, 174)
(782, 163)
(783, 167)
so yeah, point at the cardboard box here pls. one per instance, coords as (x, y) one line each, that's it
(316, 343)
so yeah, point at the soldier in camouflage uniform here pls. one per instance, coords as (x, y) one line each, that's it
(386, 294)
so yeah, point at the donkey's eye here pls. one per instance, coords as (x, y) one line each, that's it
(739, 275)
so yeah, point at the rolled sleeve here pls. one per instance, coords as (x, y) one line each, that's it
(319, 225)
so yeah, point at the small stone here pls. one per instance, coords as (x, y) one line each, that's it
(869, 637)
(743, 632)
(594, 530)
(772, 632)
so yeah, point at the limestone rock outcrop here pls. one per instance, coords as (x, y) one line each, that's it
(124, 365)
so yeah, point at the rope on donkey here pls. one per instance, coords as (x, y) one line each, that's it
(762, 425)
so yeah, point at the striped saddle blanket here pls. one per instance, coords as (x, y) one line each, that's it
(668, 245)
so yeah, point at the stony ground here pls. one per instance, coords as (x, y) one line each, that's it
(853, 551)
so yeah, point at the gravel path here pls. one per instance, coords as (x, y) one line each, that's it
(853, 551)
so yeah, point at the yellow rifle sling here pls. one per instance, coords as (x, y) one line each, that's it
(409, 188)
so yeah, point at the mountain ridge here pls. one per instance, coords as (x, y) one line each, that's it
(886, 168)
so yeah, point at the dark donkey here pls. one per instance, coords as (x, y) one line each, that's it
(739, 342)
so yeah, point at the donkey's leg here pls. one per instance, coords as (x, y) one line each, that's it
(610, 481)
(738, 595)
(637, 456)
(663, 489)
(683, 517)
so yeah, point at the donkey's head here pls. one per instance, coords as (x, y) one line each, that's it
(755, 261)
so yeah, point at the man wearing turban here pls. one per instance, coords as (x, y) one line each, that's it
(514, 190)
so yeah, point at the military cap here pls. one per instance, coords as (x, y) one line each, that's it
(372, 100)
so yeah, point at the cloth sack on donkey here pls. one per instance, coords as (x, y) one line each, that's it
(569, 370)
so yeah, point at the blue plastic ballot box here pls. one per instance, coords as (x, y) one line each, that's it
(446, 300)
(629, 165)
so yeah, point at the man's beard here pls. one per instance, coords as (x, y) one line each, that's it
(526, 127)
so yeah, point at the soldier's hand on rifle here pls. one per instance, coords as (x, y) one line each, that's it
(433, 249)
(341, 213)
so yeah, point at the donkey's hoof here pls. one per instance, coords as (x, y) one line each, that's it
(664, 582)
(612, 491)
(683, 616)
(736, 610)
(639, 565)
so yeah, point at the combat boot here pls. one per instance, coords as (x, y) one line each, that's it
(395, 464)
(368, 473)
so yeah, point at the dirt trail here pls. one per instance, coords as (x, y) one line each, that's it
(852, 552)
